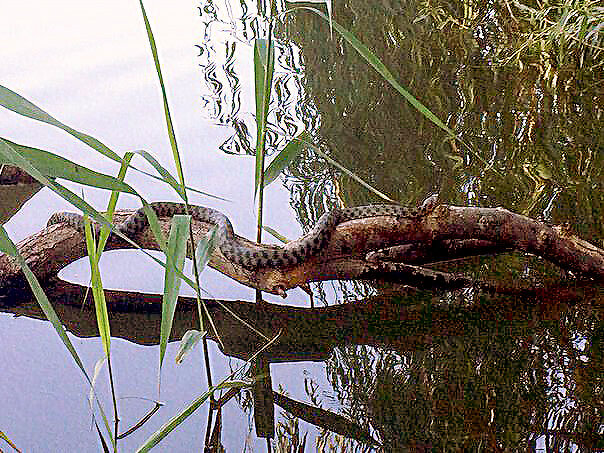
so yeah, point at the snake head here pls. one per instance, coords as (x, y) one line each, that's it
(280, 290)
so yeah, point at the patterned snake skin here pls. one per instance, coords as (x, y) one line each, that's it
(250, 257)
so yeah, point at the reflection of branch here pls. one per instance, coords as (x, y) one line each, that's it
(324, 419)
(354, 251)
(397, 322)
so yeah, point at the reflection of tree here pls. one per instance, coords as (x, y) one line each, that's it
(538, 129)
(225, 58)
(501, 385)
(543, 139)
(365, 124)
(418, 370)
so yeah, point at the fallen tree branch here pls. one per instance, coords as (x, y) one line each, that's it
(355, 251)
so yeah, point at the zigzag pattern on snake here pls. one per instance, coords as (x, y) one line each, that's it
(290, 254)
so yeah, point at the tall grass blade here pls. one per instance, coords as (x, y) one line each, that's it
(94, 256)
(18, 104)
(328, 5)
(100, 305)
(285, 157)
(7, 245)
(98, 367)
(169, 124)
(188, 342)
(165, 174)
(54, 166)
(175, 154)
(105, 230)
(276, 234)
(177, 249)
(205, 248)
(264, 64)
(102, 316)
(9, 154)
(293, 149)
(375, 62)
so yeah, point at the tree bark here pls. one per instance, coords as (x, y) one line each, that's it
(358, 250)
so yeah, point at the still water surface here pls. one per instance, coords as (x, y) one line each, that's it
(535, 148)
(90, 66)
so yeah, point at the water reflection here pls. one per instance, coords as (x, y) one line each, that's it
(443, 371)
(534, 145)
(531, 139)
(422, 373)
(226, 56)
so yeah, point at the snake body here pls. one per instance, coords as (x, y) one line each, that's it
(251, 257)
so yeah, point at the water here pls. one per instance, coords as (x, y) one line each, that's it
(534, 146)
(91, 67)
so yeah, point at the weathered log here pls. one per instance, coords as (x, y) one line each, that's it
(351, 252)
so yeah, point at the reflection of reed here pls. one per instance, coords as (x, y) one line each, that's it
(222, 68)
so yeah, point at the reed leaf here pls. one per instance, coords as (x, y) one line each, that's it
(175, 421)
(292, 150)
(188, 342)
(276, 234)
(54, 166)
(9, 154)
(167, 115)
(7, 246)
(205, 248)
(105, 230)
(98, 367)
(100, 305)
(18, 104)
(264, 64)
(176, 252)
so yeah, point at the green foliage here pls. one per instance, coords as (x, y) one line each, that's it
(555, 33)
(264, 66)
(176, 251)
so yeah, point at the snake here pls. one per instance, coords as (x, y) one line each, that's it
(248, 256)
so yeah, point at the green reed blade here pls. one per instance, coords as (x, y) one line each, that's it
(264, 64)
(55, 166)
(292, 150)
(205, 247)
(176, 252)
(169, 426)
(18, 104)
(169, 125)
(7, 245)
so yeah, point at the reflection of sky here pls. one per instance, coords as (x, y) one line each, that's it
(89, 65)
